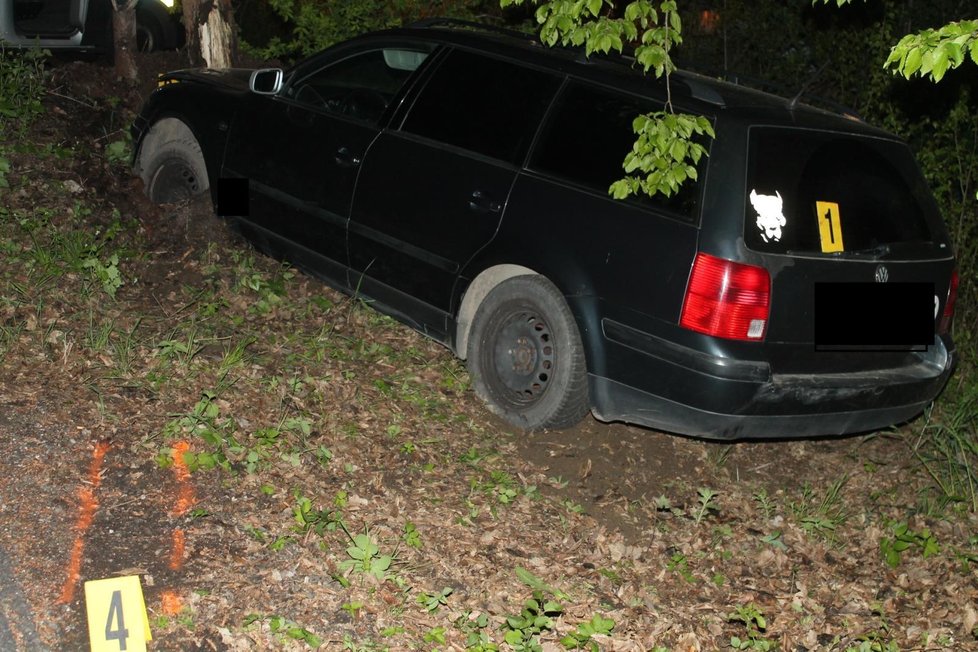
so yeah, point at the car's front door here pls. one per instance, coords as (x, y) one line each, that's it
(301, 149)
(432, 192)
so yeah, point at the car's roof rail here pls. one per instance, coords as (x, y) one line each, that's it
(441, 21)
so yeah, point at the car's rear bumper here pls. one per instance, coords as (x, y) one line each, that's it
(689, 392)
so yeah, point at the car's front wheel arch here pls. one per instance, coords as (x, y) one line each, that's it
(170, 162)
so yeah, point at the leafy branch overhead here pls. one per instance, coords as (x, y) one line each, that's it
(664, 154)
(931, 52)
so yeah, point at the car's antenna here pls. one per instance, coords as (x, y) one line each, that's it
(804, 87)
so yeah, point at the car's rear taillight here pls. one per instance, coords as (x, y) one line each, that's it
(727, 299)
(952, 297)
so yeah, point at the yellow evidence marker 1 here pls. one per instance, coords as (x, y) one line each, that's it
(117, 620)
(829, 226)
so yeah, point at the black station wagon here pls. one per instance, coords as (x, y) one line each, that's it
(458, 178)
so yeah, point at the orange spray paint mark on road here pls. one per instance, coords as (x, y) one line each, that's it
(87, 506)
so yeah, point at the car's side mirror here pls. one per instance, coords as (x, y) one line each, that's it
(266, 81)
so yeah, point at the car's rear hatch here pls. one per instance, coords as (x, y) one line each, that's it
(858, 256)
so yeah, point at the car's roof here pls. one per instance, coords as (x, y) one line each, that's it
(689, 91)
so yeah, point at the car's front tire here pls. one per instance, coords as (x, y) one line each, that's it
(174, 171)
(525, 355)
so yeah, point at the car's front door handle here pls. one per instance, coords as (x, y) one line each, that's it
(345, 158)
(480, 202)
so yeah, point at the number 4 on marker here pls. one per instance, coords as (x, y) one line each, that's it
(829, 226)
(115, 626)
(110, 604)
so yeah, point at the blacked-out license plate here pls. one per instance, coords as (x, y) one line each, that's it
(874, 316)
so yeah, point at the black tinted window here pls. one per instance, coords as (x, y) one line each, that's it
(588, 136)
(484, 105)
(360, 86)
(813, 191)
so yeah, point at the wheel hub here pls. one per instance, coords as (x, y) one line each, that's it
(524, 357)
(174, 182)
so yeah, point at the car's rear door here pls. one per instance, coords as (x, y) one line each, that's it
(431, 193)
(301, 149)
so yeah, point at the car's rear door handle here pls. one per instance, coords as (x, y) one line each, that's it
(345, 158)
(480, 202)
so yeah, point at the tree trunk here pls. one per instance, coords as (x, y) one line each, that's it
(211, 32)
(124, 39)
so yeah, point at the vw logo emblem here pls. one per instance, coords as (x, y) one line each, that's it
(882, 275)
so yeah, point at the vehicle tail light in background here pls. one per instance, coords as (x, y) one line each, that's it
(952, 297)
(727, 299)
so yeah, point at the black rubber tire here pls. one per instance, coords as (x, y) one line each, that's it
(175, 172)
(525, 356)
(149, 34)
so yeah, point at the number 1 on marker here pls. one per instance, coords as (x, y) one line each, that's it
(829, 226)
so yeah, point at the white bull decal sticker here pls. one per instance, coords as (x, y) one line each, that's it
(770, 217)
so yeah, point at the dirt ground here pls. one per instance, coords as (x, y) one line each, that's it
(329, 427)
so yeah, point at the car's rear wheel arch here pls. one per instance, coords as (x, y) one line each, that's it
(581, 305)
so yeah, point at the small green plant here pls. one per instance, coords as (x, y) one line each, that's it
(365, 557)
(822, 516)
(352, 608)
(765, 503)
(432, 602)
(903, 539)
(119, 151)
(105, 272)
(751, 617)
(435, 635)
(522, 631)
(474, 628)
(412, 538)
(580, 638)
(707, 505)
(537, 584)
(286, 628)
(679, 564)
(319, 521)
(203, 421)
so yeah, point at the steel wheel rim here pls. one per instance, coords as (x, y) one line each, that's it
(175, 181)
(523, 357)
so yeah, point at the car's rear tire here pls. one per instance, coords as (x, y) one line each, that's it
(175, 171)
(525, 355)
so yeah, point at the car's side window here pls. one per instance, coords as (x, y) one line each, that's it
(484, 105)
(360, 86)
(587, 136)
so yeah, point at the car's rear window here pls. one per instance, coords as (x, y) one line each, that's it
(824, 192)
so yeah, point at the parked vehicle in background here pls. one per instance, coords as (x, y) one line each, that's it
(84, 25)
(458, 179)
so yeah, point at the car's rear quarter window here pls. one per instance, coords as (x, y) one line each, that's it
(587, 136)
